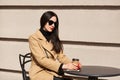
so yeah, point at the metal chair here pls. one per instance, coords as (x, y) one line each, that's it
(24, 60)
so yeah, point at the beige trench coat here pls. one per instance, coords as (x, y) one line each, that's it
(45, 63)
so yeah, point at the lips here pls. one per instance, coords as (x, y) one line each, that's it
(52, 27)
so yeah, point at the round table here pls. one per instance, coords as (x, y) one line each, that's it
(93, 72)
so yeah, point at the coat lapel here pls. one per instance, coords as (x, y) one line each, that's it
(45, 44)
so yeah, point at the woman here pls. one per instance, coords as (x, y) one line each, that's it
(48, 59)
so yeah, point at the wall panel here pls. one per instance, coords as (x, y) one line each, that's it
(10, 76)
(88, 25)
(9, 52)
(60, 2)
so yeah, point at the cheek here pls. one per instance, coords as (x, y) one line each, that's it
(46, 26)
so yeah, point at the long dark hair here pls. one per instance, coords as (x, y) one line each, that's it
(54, 37)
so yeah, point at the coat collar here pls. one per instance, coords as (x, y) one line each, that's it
(40, 35)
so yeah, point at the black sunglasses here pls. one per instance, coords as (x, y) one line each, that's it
(50, 22)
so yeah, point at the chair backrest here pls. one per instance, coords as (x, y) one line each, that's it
(24, 59)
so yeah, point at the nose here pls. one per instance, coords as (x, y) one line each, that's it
(53, 25)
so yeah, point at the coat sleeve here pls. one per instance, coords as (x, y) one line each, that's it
(63, 58)
(39, 55)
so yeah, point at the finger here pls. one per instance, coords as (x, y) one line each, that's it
(75, 65)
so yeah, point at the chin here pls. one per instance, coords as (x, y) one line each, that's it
(50, 30)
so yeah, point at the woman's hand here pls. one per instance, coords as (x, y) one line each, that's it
(71, 66)
(78, 65)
